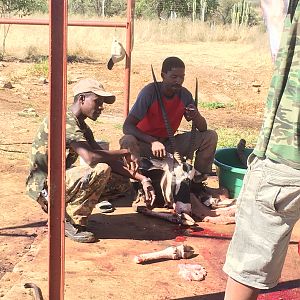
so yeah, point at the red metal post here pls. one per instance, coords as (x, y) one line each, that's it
(129, 39)
(57, 132)
(57, 137)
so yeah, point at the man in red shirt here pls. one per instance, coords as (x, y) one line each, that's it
(144, 128)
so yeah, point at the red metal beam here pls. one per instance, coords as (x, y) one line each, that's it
(70, 23)
(57, 147)
(129, 42)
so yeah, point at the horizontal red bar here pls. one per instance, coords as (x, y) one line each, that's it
(70, 23)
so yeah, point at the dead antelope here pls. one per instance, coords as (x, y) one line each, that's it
(174, 181)
(176, 174)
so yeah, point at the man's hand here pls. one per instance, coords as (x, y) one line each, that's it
(131, 162)
(191, 112)
(158, 149)
(149, 190)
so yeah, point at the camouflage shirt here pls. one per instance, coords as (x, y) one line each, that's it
(75, 132)
(279, 137)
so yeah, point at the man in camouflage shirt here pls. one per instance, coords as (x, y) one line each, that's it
(104, 174)
(269, 203)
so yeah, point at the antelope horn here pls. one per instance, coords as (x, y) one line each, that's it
(178, 157)
(193, 131)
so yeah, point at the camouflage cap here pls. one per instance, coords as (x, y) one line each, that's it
(94, 86)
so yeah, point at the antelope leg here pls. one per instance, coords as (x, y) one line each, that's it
(173, 218)
(178, 252)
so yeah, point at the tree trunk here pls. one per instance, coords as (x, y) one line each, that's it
(194, 10)
(103, 8)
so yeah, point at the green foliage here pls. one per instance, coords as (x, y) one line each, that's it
(21, 7)
(116, 7)
(206, 9)
(212, 105)
(223, 13)
(242, 13)
(229, 137)
(118, 126)
(220, 11)
(195, 9)
(141, 8)
(40, 69)
(238, 12)
(98, 7)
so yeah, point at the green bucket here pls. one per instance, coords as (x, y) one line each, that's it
(230, 169)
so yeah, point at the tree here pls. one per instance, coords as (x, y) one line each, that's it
(183, 8)
(21, 7)
(224, 10)
(77, 7)
(101, 8)
(228, 9)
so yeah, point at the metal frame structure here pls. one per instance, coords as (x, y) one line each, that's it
(128, 25)
(57, 133)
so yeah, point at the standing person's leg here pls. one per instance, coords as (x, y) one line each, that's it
(84, 185)
(205, 146)
(268, 208)
(238, 291)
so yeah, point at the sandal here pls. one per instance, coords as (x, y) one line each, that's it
(105, 207)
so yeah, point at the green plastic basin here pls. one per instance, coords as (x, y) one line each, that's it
(230, 169)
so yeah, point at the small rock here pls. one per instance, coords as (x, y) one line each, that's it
(256, 84)
(8, 85)
(72, 80)
(43, 80)
(28, 112)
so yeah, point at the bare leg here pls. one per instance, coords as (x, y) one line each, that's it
(239, 291)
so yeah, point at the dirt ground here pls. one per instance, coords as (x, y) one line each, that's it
(230, 73)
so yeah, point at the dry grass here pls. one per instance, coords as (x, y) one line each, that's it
(183, 30)
(96, 42)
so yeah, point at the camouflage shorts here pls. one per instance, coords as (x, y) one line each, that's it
(86, 185)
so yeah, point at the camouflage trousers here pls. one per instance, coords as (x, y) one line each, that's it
(86, 186)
